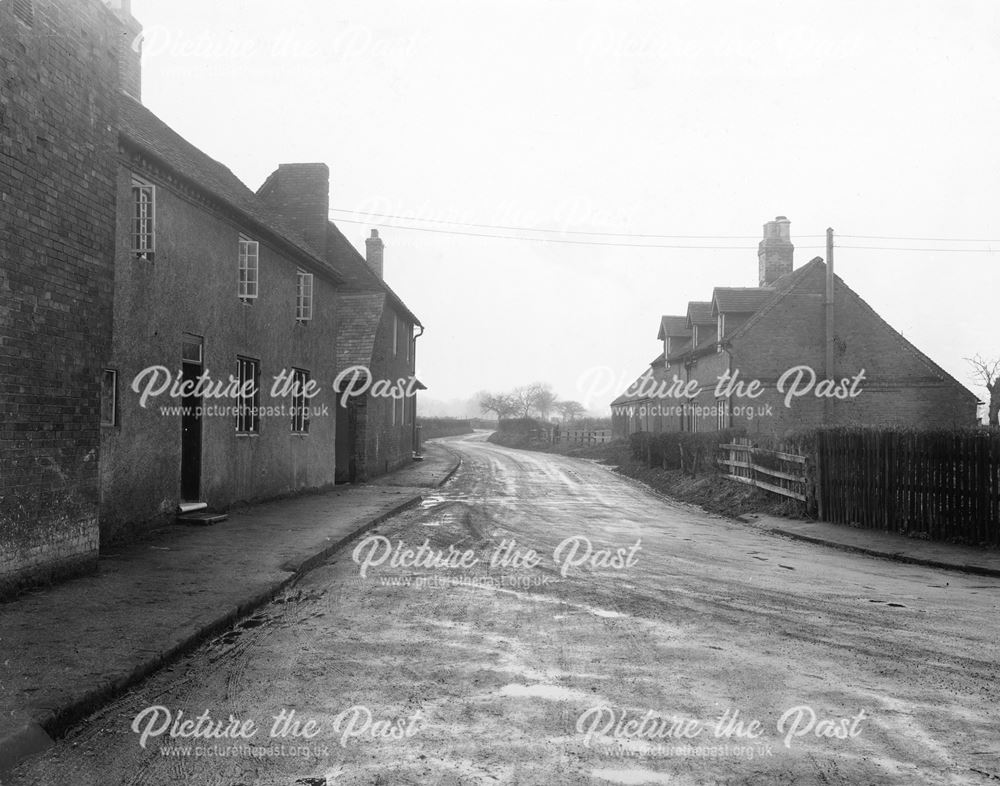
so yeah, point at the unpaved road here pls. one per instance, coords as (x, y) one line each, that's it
(495, 675)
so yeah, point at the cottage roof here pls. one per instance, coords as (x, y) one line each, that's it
(739, 300)
(779, 289)
(358, 315)
(680, 351)
(356, 273)
(160, 142)
(700, 313)
(673, 325)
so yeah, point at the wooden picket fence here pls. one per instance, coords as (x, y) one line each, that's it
(936, 485)
(776, 471)
(583, 437)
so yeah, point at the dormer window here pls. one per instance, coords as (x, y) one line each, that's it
(721, 328)
(694, 336)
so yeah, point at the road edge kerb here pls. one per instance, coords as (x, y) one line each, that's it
(454, 469)
(57, 722)
(976, 570)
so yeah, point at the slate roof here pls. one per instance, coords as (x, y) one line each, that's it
(700, 313)
(672, 325)
(780, 288)
(739, 300)
(765, 299)
(356, 273)
(358, 315)
(681, 350)
(788, 282)
(169, 148)
(627, 396)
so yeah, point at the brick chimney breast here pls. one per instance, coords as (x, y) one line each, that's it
(129, 48)
(373, 253)
(300, 194)
(774, 254)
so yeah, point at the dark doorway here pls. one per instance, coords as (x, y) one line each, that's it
(191, 422)
(346, 468)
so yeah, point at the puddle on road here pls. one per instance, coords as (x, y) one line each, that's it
(605, 613)
(631, 776)
(546, 599)
(552, 692)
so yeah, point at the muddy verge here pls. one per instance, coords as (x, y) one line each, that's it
(709, 490)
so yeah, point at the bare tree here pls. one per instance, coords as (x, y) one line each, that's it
(545, 400)
(570, 410)
(526, 398)
(503, 404)
(987, 374)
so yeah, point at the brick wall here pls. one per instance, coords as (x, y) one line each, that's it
(57, 118)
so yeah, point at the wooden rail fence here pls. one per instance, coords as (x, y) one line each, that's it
(582, 436)
(773, 470)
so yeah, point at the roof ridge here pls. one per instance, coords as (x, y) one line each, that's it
(361, 264)
(792, 280)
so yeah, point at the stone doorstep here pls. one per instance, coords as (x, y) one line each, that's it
(201, 518)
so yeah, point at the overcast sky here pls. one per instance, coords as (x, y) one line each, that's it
(638, 118)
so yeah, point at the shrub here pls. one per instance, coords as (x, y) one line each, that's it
(693, 452)
(443, 427)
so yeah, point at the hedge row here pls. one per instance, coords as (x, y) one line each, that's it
(443, 427)
(689, 451)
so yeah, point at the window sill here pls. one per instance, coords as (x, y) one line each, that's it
(247, 433)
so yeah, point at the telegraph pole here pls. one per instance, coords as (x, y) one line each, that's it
(828, 304)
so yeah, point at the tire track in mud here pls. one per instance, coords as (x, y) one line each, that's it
(707, 619)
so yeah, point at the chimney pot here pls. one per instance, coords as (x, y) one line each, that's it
(374, 248)
(774, 254)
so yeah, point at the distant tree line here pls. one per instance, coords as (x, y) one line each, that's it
(525, 401)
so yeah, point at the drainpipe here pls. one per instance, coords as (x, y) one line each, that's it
(416, 429)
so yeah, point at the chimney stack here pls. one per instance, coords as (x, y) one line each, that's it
(300, 194)
(774, 254)
(129, 49)
(373, 252)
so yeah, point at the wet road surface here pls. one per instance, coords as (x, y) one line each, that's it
(606, 656)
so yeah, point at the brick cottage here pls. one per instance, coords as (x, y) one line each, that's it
(761, 333)
(125, 248)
